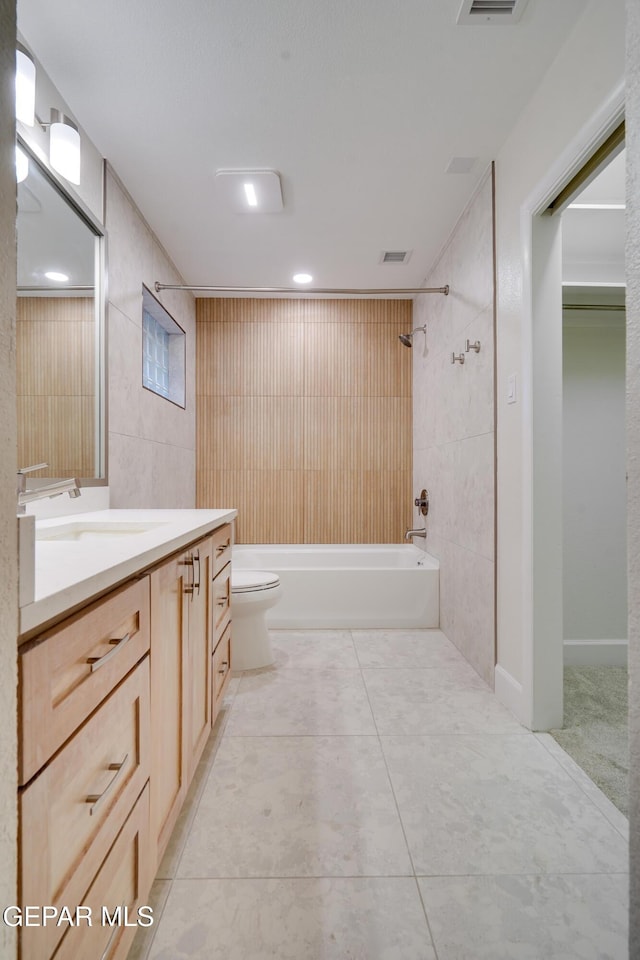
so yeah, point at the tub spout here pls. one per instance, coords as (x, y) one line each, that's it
(415, 533)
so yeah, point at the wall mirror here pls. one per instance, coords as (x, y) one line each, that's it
(59, 330)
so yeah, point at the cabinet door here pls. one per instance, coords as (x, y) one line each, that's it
(170, 600)
(200, 648)
(72, 812)
(119, 889)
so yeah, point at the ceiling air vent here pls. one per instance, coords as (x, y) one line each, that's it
(491, 12)
(394, 256)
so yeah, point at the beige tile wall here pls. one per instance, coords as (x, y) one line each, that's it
(151, 451)
(453, 433)
(304, 418)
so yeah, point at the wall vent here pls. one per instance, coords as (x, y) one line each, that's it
(490, 12)
(394, 256)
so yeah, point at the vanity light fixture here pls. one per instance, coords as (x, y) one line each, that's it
(25, 86)
(57, 276)
(22, 165)
(302, 278)
(64, 146)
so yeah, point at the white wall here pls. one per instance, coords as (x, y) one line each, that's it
(633, 453)
(587, 74)
(594, 489)
(151, 450)
(8, 467)
(453, 431)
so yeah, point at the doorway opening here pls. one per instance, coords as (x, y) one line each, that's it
(594, 517)
(578, 516)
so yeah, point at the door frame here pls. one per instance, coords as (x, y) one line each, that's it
(542, 628)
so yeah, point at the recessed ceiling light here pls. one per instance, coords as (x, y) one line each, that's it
(302, 277)
(461, 165)
(250, 193)
(55, 275)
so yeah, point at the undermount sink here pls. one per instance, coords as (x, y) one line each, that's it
(96, 530)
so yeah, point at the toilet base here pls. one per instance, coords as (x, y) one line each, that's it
(251, 643)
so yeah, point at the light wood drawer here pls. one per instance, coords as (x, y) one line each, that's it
(69, 673)
(71, 814)
(121, 886)
(221, 602)
(221, 667)
(222, 542)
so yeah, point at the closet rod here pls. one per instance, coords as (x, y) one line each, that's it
(593, 306)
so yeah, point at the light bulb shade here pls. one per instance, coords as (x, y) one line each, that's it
(25, 86)
(64, 146)
(22, 165)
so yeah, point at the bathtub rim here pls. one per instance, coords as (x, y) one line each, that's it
(429, 562)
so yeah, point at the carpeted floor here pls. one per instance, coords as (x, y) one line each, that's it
(595, 729)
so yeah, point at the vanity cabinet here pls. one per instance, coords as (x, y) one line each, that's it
(221, 593)
(116, 704)
(181, 670)
(75, 807)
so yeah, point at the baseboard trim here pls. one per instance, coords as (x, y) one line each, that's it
(595, 653)
(510, 693)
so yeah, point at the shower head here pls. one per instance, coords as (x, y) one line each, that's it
(407, 338)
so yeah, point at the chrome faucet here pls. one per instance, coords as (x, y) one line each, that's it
(415, 533)
(54, 489)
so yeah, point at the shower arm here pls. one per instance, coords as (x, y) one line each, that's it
(348, 291)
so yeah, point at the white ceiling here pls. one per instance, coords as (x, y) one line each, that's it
(359, 104)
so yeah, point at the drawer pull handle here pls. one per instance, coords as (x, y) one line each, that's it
(95, 799)
(97, 662)
(225, 663)
(197, 559)
(107, 949)
(222, 548)
(223, 601)
(195, 584)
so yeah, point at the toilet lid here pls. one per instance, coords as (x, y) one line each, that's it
(243, 581)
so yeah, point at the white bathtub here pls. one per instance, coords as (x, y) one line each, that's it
(344, 585)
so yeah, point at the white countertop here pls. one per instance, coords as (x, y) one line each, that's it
(70, 572)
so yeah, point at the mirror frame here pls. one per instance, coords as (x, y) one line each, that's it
(58, 183)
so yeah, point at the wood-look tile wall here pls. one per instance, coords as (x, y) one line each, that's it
(304, 418)
(55, 344)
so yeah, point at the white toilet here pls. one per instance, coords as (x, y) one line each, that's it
(253, 592)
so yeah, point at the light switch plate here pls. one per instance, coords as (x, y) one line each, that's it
(511, 389)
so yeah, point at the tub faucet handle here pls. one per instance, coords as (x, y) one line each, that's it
(422, 502)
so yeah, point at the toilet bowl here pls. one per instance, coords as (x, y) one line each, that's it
(253, 592)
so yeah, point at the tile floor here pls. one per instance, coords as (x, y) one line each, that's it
(368, 798)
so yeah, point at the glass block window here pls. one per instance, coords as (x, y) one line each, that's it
(155, 356)
(163, 351)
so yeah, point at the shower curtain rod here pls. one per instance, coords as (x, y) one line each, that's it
(346, 290)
